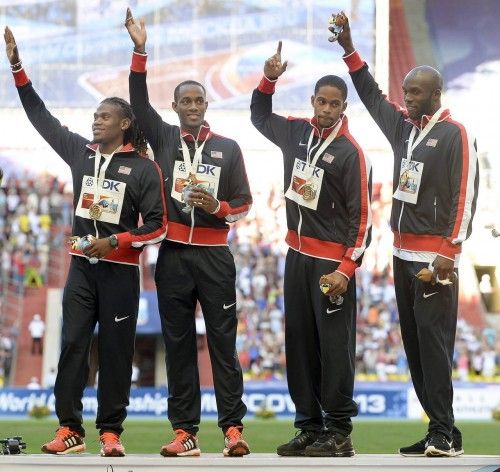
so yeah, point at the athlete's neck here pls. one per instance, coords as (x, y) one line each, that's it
(192, 131)
(109, 148)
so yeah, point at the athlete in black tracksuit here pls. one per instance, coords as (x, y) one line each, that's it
(428, 231)
(107, 292)
(330, 238)
(194, 263)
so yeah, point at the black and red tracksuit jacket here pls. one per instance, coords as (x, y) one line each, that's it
(340, 228)
(442, 217)
(198, 227)
(143, 194)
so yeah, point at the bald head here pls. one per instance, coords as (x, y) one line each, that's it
(422, 89)
(427, 74)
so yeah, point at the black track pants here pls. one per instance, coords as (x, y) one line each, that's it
(428, 318)
(108, 294)
(320, 342)
(185, 274)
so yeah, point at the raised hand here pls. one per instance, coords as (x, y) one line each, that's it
(137, 32)
(273, 67)
(11, 47)
(344, 38)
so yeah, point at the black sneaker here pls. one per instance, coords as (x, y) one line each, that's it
(331, 445)
(457, 442)
(439, 446)
(415, 450)
(297, 445)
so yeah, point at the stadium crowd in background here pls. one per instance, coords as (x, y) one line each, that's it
(30, 208)
(35, 214)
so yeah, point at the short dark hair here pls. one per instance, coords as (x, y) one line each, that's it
(333, 81)
(177, 89)
(133, 133)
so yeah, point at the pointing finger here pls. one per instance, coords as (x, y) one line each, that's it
(278, 51)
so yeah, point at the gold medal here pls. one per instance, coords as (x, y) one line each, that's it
(191, 180)
(403, 179)
(308, 192)
(95, 211)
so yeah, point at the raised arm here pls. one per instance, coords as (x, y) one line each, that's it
(65, 143)
(388, 116)
(271, 125)
(149, 120)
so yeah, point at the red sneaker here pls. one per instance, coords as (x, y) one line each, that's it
(184, 444)
(235, 445)
(111, 445)
(66, 441)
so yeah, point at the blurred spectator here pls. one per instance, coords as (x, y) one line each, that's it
(151, 251)
(50, 378)
(36, 329)
(136, 374)
(34, 384)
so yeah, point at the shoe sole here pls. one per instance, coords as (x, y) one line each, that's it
(192, 452)
(412, 454)
(291, 453)
(112, 453)
(71, 450)
(458, 453)
(238, 450)
(431, 451)
(329, 454)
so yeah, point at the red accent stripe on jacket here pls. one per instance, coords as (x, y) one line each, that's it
(138, 62)
(120, 255)
(463, 182)
(201, 236)
(20, 77)
(315, 247)
(423, 243)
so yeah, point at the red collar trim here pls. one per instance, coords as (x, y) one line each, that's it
(203, 133)
(127, 148)
(323, 133)
(426, 118)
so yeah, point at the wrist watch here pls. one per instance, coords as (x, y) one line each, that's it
(113, 241)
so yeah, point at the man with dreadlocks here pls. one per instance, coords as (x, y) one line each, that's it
(208, 188)
(113, 184)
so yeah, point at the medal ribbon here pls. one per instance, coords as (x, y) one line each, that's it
(98, 171)
(413, 144)
(189, 166)
(311, 164)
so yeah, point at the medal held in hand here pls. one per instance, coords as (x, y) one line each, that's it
(337, 21)
(337, 299)
(80, 243)
(95, 211)
(187, 190)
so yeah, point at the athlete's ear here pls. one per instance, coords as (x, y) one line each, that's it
(174, 107)
(125, 123)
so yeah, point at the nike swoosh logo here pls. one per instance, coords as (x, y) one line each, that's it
(328, 311)
(118, 319)
(302, 144)
(166, 179)
(427, 295)
(228, 306)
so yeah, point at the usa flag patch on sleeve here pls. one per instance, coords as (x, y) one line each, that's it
(216, 154)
